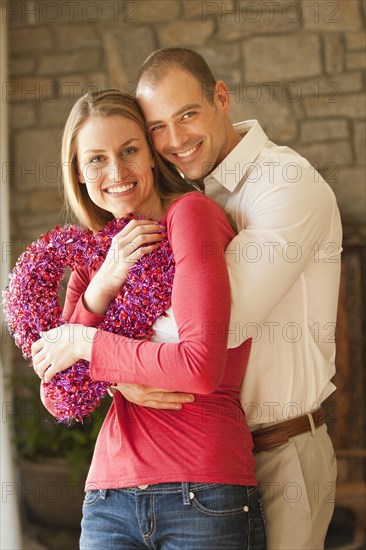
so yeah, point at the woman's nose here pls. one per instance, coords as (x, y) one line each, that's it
(119, 170)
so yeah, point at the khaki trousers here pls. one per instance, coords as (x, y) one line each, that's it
(298, 482)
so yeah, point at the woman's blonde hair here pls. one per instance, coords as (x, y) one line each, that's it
(167, 182)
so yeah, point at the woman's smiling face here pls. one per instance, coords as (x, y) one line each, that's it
(115, 163)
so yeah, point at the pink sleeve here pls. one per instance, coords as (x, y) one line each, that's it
(46, 402)
(199, 233)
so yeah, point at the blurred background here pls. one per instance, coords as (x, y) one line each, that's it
(299, 68)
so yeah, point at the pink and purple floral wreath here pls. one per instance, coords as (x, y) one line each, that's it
(32, 303)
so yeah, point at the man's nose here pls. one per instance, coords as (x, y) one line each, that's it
(176, 136)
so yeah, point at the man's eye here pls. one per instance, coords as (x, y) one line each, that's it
(188, 115)
(155, 128)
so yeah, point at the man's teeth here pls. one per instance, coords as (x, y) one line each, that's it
(187, 153)
(121, 188)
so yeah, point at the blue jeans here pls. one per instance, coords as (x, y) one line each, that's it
(174, 516)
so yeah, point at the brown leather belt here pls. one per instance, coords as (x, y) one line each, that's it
(273, 436)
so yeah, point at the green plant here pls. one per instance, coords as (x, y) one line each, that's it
(38, 434)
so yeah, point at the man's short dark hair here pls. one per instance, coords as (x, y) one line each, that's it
(156, 67)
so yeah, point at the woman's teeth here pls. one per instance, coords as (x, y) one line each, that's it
(120, 188)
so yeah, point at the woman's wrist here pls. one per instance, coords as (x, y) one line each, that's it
(85, 342)
(96, 297)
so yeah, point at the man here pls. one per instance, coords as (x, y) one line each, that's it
(284, 269)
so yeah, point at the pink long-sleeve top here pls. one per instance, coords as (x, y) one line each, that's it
(208, 440)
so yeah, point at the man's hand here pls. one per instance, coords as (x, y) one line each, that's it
(155, 398)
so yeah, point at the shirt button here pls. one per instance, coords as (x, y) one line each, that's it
(246, 508)
(142, 486)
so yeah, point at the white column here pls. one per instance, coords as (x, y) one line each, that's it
(10, 538)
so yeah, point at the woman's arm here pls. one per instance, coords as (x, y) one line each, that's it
(198, 232)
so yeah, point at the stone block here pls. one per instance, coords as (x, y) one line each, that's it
(350, 106)
(186, 33)
(54, 113)
(334, 53)
(122, 67)
(47, 12)
(28, 89)
(351, 194)
(202, 9)
(32, 226)
(226, 54)
(231, 76)
(36, 157)
(360, 141)
(324, 89)
(158, 11)
(322, 154)
(323, 130)
(72, 86)
(82, 60)
(267, 58)
(356, 40)
(20, 66)
(74, 37)
(253, 18)
(275, 116)
(33, 39)
(335, 16)
(21, 115)
(356, 60)
(47, 200)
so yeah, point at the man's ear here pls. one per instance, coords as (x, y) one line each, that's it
(221, 96)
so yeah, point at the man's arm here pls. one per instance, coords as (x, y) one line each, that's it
(286, 225)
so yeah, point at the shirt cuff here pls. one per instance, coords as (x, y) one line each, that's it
(107, 363)
(85, 317)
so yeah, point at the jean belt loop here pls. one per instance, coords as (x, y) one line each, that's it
(185, 493)
(103, 493)
(311, 420)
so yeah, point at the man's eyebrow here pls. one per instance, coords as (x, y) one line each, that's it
(180, 111)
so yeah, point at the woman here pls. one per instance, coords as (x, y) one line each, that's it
(158, 479)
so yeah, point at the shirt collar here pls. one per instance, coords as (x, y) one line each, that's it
(233, 168)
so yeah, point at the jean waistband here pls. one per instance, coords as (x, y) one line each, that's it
(186, 488)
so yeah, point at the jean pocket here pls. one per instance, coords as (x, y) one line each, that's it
(91, 497)
(224, 500)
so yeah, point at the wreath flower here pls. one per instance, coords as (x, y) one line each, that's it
(32, 303)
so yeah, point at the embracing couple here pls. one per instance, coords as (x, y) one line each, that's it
(216, 433)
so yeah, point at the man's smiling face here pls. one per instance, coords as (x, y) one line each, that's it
(187, 128)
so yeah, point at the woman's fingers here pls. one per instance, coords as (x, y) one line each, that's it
(136, 228)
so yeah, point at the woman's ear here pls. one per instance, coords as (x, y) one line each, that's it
(79, 175)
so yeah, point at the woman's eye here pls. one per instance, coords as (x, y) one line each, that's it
(129, 151)
(95, 159)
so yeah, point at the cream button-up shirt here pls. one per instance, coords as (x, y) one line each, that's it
(284, 268)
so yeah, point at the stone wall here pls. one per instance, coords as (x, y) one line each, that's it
(297, 66)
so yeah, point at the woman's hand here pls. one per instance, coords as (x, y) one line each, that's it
(137, 238)
(61, 347)
(155, 398)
